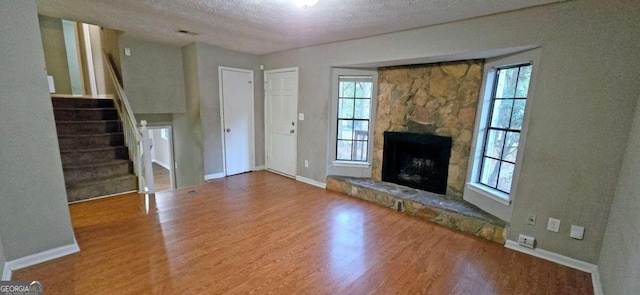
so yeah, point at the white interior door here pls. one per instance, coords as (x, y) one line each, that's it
(281, 107)
(237, 119)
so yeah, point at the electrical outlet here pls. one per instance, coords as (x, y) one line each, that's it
(531, 219)
(306, 163)
(553, 225)
(526, 241)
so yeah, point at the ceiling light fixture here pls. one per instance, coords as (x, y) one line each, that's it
(306, 3)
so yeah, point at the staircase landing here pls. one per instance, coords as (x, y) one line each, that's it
(444, 210)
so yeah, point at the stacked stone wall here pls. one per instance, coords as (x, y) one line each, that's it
(438, 99)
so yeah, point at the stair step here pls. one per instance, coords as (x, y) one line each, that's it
(78, 173)
(85, 114)
(101, 187)
(96, 155)
(69, 142)
(88, 127)
(77, 102)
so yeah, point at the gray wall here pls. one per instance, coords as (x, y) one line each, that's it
(2, 259)
(109, 42)
(209, 59)
(55, 52)
(619, 262)
(187, 137)
(153, 76)
(580, 115)
(34, 215)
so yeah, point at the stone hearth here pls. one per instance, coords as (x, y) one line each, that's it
(449, 211)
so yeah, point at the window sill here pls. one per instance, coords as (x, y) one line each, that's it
(351, 164)
(495, 195)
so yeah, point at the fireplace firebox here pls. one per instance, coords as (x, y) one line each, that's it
(420, 161)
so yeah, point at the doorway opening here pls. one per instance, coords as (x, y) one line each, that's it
(162, 158)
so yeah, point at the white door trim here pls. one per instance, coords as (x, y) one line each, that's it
(93, 87)
(252, 144)
(266, 116)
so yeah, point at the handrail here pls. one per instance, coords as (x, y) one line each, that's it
(136, 139)
(120, 94)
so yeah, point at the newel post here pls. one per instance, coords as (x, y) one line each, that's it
(146, 158)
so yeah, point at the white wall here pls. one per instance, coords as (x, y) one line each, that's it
(619, 261)
(580, 115)
(34, 215)
(98, 63)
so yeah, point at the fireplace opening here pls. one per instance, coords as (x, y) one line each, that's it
(420, 161)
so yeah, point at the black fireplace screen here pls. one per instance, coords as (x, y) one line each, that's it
(416, 160)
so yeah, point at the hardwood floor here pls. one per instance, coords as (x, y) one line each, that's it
(161, 178)
(260, 233)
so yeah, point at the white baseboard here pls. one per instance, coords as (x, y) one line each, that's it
(37, 258)
(597, 285)
(165, 166)
(311, 181)
(259, 168)
(562, 260)
(214, 176)
(6, 273)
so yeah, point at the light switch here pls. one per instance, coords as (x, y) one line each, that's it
(300, 116)
(52, 84)
(127, 51)
(577, 232)
(553, 225)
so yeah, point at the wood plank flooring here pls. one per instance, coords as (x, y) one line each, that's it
(261, 233)
(161, 178)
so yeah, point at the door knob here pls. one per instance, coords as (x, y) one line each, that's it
(292, 131)
(228, 130)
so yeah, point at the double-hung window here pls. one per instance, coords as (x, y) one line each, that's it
(504, 124)
(355, 94)
(352, 113)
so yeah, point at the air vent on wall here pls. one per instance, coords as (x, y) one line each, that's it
(181, 31)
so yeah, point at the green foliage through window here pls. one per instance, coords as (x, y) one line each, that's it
(510, 90)
(354, 112)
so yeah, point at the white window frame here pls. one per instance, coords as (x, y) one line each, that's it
(492, 200)
(341, 167)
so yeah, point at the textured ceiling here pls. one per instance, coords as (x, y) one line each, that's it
(265, 26)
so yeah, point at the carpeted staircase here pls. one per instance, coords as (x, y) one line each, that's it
(95, 159)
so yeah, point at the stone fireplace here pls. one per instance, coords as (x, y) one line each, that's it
(433, 99)
(417, 160)
(423, 128)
